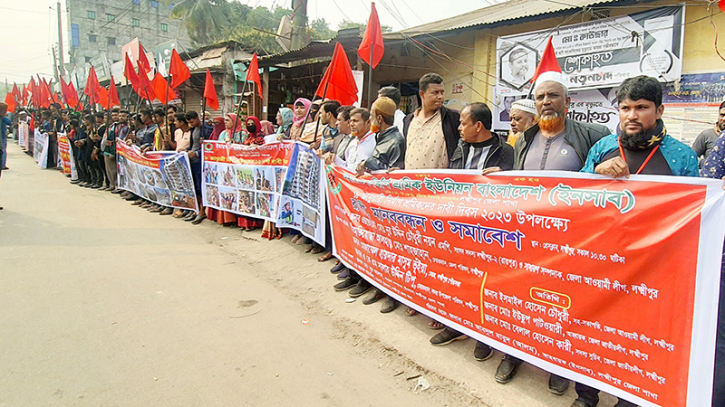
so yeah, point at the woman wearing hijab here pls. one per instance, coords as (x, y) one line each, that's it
(267, 128)
(284, 121)
(218, 123)
(254, 129)
(301, 108)
(228, 136)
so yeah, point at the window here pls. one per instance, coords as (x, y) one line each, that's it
(154, 4)
(164, 27)
(91, 38)
(92, 15)
(111, 40)
(75, 35)
(110, 17)
(134, 22)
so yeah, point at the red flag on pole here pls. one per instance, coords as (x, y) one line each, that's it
(69, 93)
(548, 62)
(10, 101)
(44, 94)
(130, 74)
(372, 41)
(145, 90)
(144, 67)
(178, 70)
(102, 97)
(92, 86)
(159, 85)
(253, 74)
(113, 94)
(210, 91)
(25, 95)
(16, 91)
(74, 94)
(338, 82)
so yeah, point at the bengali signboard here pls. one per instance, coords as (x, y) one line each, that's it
(280, 182)
(65, 156)
(161, 177)
(609, 283)
(601, 52)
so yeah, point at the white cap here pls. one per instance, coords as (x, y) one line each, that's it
(525, 105)
(552, 76)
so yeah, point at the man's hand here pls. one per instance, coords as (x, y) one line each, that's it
(192, 154)
(330, 158)
(615, 168)
(109, 143)
(490, 170)
(391, 169)
(360, 170)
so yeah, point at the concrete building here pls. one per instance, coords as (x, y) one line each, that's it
(97, 29)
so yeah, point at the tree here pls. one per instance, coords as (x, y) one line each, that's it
(205, 20)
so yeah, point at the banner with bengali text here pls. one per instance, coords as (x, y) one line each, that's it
(163, 177)
(22, 135)
(40, 152)
(280, 182)
(65, 156)
(606, 282)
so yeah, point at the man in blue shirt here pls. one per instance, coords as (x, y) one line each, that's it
(4, 123)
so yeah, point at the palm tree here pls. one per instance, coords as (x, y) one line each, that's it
(205, 20)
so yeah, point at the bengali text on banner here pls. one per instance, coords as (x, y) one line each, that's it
(161, 177)
(606, 282)
(65, 156)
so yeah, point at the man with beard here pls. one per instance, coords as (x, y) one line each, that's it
(522, 116)
(705, 141)
(641, 146)
(519, 66)
(554, 143)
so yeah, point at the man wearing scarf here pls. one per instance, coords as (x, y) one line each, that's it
(641, 146)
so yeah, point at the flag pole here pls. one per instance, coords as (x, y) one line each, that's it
(370, 77)
(324, 95)
(239, 106)
(166, 104)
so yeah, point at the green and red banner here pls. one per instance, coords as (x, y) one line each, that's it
(65, 156)
(609, 283)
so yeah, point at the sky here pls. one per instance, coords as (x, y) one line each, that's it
(30, 28)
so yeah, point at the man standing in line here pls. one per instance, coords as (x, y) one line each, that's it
(197, 136)
(4, 122)
(705, 141)
(647, 148)
(108, 147)
(328, 119)
(554, 143)
(522, 116)
(394, 94)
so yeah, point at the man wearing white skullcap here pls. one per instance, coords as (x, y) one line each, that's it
(523, 116)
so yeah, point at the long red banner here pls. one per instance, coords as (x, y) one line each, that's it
(610, 283)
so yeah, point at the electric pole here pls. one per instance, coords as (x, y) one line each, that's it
(61, 66)
(299, 24)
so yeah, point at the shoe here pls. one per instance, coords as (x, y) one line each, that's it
(75, 181)
(360, 288)
(295, 238)
(580, 402)
(446, 336)
(190, 217)
(137, 202)
(102, 188)
(344, 274)
(506, 370)
(146, 205)
(179, 213)
(166, 211)
(558, 384)
(157, 209)
(198, 219)
(95, 186)
(337, 268)
(624, 403)
(377, 296)
(389, 305)
(117, 191)
(482, 352)
(344, 284)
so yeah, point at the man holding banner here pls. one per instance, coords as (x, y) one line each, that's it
(641, 146)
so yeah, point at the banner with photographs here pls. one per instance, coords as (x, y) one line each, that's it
(40, 152)
(597, 106)
(280, 182)
(599, 53)
(161, 177)
(65, 157)
(22, 135)
(245, 180)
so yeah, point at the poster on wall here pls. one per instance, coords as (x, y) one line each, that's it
(599, 53)
(691, 104)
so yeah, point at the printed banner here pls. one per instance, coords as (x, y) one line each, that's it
(22, 135)
(161, 177)
(243, 179)
(691, 104)
(280, 182)
(65, 156)
(599, 53)
(609, 283)
(40, 152)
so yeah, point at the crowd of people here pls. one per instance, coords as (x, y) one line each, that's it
(431, 138)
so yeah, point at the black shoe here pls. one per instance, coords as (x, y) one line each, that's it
(337, 268)
(507, 369)
(94, 186)
(344, 274)
(344, 284)
(389, 305)
(446, 336)
(558, 384)
(360, 288)
(624, 403)
(482, 352)
(580, 402)
(197, 220)
(190, 217)
(75, 181)
(375, 297)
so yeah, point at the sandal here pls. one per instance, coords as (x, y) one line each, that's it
(411, 312)
(317, 250)
(325, 257)
(435, 325)
(309, 248)
(278, 235)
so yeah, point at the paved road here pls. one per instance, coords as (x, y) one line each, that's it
(105, 304)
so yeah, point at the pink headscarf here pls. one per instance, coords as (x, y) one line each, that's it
(218, 128)
(299, 120)
(267, 127)
(234, 119)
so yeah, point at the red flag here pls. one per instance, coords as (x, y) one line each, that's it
(160, 86)
(131, 75)
(74, 96)
(44, 94)
(338, 82)
(57, 99)
(92, 86)
(210, 91)
(178, 70)
(69, 93)
(33, 89)
(144, 67)
(145, 90)
(102, 97)
(253, 74)
(25, 95)
(548, 62)
(10, 101)
(113, 94)
(16, 92)
(372, 40)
